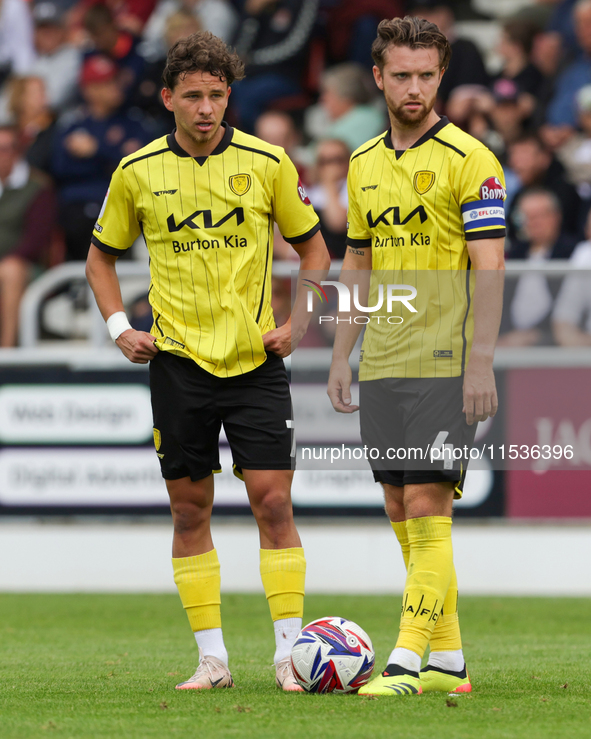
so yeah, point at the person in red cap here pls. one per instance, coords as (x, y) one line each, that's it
(117, 45)
(88, 146)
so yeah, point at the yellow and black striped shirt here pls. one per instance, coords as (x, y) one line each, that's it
(417, 209)
(208, 224)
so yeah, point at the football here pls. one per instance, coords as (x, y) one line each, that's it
(332, 655)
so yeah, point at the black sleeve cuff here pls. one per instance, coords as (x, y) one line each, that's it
(494, 233)
(358, 243)
(106, 248)
(303, 237)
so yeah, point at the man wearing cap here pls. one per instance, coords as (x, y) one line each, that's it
(58, 62)
(89, 144)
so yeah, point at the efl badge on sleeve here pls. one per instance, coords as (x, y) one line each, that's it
(240, 183)
(423, 181)
(157, 439)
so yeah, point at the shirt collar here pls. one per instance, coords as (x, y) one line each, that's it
(177, 149)
(441, 123)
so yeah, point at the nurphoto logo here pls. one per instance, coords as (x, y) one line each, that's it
(391, 295)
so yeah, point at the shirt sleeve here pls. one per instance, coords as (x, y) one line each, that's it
(480, 191)
(117, 225)
(292, 209)
(358, 235)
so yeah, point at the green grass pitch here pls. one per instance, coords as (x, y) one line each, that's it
(105, 666)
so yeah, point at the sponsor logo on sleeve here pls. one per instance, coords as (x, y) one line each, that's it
(492, 189)
(303, 194)
(103, 206)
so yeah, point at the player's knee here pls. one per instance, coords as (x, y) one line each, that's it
(273, 507)
(188, 516)
(394, 510)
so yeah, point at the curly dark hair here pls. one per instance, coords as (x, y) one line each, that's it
(415, 33)
(201, 52)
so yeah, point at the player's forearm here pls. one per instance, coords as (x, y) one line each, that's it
(487, 257)
(314, 265)
(488, 307)
(355, 274)
(102, 278)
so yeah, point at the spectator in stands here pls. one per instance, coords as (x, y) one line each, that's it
(495, 118)
(466, 73)
(273, 40)
(58, 62)
(27, 216)
(329, 194)
(129, 15)
(352, 28)
(89, 145)
(575, 154)
(278, 128)
(535, 166)
(561, 27)
(147, 96)
(34, 119)
(515, 48)
(562, 112)
(17, 52)
(507, 112)
(217, 16)
(532, 297)
(344, 111)
(571, 319)
(120, 46)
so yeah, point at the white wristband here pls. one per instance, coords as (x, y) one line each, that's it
(117, 324)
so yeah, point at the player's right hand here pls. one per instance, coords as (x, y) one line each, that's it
(339, 387)
(137, 346)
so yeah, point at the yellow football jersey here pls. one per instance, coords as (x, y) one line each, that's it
(416, 209)
(208, 224)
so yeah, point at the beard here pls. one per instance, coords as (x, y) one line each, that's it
(410, 118)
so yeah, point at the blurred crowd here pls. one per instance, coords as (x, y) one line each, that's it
(80, 88)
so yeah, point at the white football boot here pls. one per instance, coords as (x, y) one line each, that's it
(284, 677)
(211, 673)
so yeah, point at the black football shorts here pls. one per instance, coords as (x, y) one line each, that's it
(415, 425)
(190, 405)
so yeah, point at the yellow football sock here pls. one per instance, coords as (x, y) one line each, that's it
(402, 536)
(427, 582)
(446, 634)
(198, 581)
(283, 572)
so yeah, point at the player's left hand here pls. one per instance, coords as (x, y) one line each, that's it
(279, 341)
(480, 392)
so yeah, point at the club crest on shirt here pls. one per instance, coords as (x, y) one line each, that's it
(240, 183)
(423, 181)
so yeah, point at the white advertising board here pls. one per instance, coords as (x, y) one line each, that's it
(75, 414)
